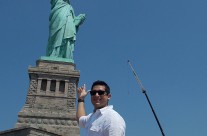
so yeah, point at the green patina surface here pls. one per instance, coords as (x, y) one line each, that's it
(62, 31)
(50, 58)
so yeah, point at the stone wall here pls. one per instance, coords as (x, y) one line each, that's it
(51, 98)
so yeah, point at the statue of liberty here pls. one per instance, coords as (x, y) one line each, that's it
(62, 30)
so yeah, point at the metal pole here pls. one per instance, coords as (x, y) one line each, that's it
(144, 91)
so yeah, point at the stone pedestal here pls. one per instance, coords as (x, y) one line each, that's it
(51, 98)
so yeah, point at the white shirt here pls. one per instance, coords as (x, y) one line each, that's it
(104, 122)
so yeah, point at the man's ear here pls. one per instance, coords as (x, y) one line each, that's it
(109, 96)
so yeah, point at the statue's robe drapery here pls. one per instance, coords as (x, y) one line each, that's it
(62, 28)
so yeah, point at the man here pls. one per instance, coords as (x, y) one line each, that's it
(104, 121)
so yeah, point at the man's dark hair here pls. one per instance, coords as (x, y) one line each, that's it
(99, 82)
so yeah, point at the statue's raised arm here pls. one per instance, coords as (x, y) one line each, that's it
(62, 30)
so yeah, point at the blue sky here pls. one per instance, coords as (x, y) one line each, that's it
(164, 40)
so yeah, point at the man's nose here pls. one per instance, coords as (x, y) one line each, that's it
(97, 94)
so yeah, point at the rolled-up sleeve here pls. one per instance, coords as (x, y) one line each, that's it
(82, 121)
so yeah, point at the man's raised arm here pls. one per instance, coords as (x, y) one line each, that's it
(81, 94)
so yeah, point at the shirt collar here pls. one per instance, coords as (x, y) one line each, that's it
(103, 110)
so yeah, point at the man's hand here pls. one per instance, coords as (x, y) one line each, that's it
(82, 93)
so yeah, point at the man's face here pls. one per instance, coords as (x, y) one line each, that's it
(99, 101)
